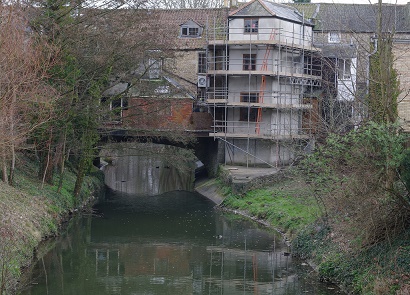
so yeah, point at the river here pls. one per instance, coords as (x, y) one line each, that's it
(173, 243)
(150, 234)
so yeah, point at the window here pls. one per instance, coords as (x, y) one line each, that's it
(334, 37)
(190, 29)
(251, 25)
(201, 94)
(202, 62)
(344, 69)
(154, 68)
(189, 32)
(249, 114)
(115, 108)
(249, 62)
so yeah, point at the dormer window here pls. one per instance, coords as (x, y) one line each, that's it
(251, 25)
(154, 68)
(334, 37)
(190, 29)
(189, 32)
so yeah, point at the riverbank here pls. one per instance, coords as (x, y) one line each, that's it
(284, 200)
(31, 211)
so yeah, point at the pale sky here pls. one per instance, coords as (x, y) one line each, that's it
(361, 1)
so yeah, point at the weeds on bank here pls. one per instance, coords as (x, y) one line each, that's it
(28, 213)
(363, 179)
(283, 206)
(380, 269)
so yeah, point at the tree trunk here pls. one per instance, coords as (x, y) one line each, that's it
(46, 165)
(80, 175)
(62, 165)
(4, 165)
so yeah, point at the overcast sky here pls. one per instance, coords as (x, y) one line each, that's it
(361, 1)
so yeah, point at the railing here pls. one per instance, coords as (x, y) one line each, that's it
(243, 129)
(281, 67)
(280, 99)
(272, 35)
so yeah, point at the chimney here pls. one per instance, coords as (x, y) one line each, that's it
(230, 3)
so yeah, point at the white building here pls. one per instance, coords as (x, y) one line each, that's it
(263, 72)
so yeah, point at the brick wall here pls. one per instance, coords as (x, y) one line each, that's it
(158, 113)
(402, 65)
(186, 67)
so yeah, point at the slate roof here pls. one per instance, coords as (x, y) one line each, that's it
(160, 26)
(359, 18)
(339, 50)
(170, 21)
(262, 8)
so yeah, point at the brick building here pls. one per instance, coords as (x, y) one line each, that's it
(347, 33)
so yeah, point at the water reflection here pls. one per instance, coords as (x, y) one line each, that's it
(147, 169)
(175, 243)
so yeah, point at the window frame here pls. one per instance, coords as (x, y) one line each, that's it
(344, 68)
(334, 37)
(202, 62)
(249, 114)
(116, 107)
(251, 25)
(154, 68)
(190, 31)
(249, 60)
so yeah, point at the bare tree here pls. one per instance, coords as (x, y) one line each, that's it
(26, 100)
(109, 45)
(182, 4)
(361, 163)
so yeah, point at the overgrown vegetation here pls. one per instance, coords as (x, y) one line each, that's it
(362, 180)
(357, 176)
(287, 205)
(347, 209)
(29, 213)
(380, 269)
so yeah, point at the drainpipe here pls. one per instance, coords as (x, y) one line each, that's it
(374, 40)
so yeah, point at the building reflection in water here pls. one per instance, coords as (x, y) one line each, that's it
(176, 243)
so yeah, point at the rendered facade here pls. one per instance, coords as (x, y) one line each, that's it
(263, 74)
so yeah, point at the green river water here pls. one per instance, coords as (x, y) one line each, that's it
(173, 243)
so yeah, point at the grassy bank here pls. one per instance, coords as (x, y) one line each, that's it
(383, 268)
(29, 212)
(290, 206)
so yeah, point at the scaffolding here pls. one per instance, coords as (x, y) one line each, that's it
(262, 90)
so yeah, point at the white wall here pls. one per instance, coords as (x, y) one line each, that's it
(265, 151)
(272, 28)
(346, 89)
(275, 122)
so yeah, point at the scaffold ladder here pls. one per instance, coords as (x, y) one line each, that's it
(264, 68)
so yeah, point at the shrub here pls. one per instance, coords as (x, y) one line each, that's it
(356, 175)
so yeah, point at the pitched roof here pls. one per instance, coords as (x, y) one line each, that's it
(160, 26)
(263, 8)
(359, 18)
(308, 10)
(170, 21)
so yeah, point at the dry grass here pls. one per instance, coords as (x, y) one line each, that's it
(23, 221)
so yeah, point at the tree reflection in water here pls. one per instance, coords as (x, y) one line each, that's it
(174, 243)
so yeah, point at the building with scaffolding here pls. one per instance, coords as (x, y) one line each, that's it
(263, 72)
